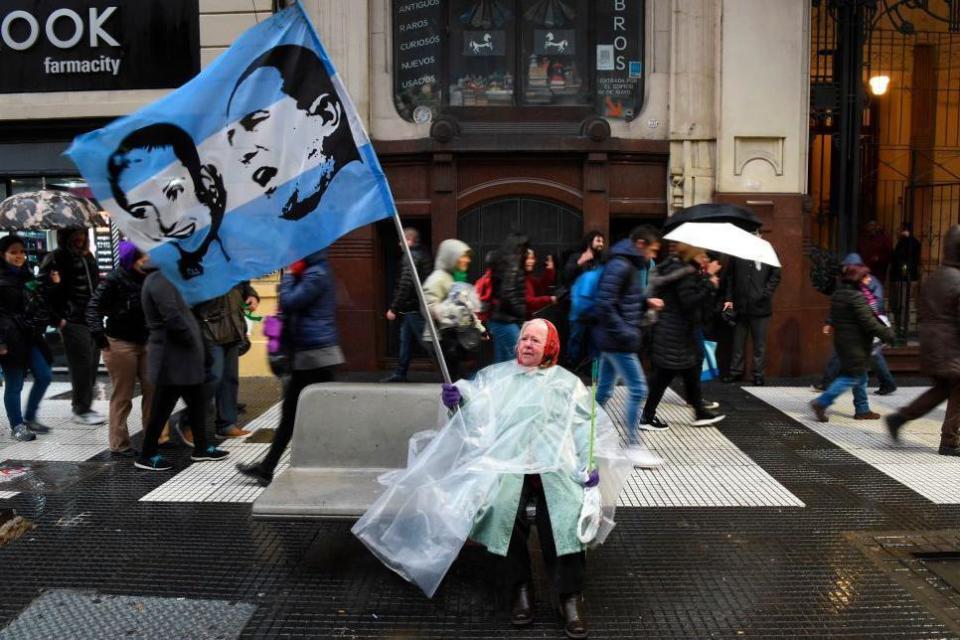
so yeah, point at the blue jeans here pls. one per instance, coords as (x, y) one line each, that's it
(626, 366)
(578, 344)
(880, 367)
(14, 385)
(411, 330)
(505, 338)
(225, 386)
(840, 385)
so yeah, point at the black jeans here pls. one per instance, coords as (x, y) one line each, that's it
(83, 357)
(164, 400)
(299, 381)
(660, 379)
(757, 328)
(567, 572)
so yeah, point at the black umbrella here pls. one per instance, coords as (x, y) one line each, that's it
(743, 218)
(48, 209)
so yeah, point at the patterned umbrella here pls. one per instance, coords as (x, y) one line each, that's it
(48, 209)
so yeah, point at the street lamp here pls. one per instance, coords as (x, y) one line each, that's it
(879, 84)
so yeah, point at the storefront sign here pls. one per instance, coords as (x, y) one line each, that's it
(419, 28)
(619, 68)
(96, 45)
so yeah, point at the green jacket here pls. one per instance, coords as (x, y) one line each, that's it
(564, 399)
(854, 328)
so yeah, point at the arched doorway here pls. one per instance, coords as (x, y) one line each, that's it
(552, 228)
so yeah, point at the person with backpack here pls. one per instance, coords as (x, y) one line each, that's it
(620, 306)
(484, 286)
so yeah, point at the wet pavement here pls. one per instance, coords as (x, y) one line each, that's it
(848, 551)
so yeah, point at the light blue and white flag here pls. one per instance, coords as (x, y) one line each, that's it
(257, 162)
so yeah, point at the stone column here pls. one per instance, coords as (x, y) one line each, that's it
(762, 145)
(693, 121)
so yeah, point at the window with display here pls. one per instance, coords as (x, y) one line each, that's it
(458, 54)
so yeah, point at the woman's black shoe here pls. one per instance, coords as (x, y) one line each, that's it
(521, 613)
(255, 472)
(571, 611)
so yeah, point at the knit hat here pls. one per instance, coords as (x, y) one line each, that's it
(851, 259)
(128, 253)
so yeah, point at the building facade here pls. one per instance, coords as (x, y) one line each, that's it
(553, 117)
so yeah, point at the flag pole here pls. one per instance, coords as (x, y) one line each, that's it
(434, 336)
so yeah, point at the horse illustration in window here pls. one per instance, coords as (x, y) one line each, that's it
(559, 46)
(487, 43)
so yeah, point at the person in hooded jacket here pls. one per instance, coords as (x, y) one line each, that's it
(23, 319)
(939, 309)
(450, 267)
(620, 305)
(854, 328)
(509, 295)
(123, 342)
(688, 292)
(308, 308)
(68, 299)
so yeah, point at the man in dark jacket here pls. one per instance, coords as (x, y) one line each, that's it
(939, 348)
(620, 305)
(175, 365)
(854, 328)
(308, 304)
(123, 342)
(750, 289)
(589, 256)
(688, 294)
(79, 277)
(904, 274)
(406, 302)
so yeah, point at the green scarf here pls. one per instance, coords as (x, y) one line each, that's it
(459, 276)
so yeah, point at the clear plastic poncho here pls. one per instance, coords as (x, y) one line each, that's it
(513, 421)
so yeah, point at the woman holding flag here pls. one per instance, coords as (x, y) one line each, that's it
(525, 431)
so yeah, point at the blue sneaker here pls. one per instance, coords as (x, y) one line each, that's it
(211, 453)
(156, 463)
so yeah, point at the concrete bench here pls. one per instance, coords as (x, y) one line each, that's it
(346, 435)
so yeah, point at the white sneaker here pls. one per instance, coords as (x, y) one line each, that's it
(89, 418)
(643, 458)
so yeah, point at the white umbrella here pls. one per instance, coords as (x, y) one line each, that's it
(724, 237)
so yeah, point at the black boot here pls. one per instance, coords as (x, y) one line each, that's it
(571, 611)
(949, 451)
(521, 612)
(894, 423)
(256, 472)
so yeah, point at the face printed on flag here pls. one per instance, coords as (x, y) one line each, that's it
(257, 162)
(307, 112)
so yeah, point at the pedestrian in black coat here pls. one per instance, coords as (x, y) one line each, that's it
(749, 294)
(675, 345)
(78, 277)
(405, 306)
(23, 320)
(176, 365)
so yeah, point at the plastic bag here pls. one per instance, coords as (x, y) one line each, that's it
(513, 421)
(590, 515)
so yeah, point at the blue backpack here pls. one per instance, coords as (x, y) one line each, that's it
(583, 294)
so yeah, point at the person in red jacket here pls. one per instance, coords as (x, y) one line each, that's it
(536, 287)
